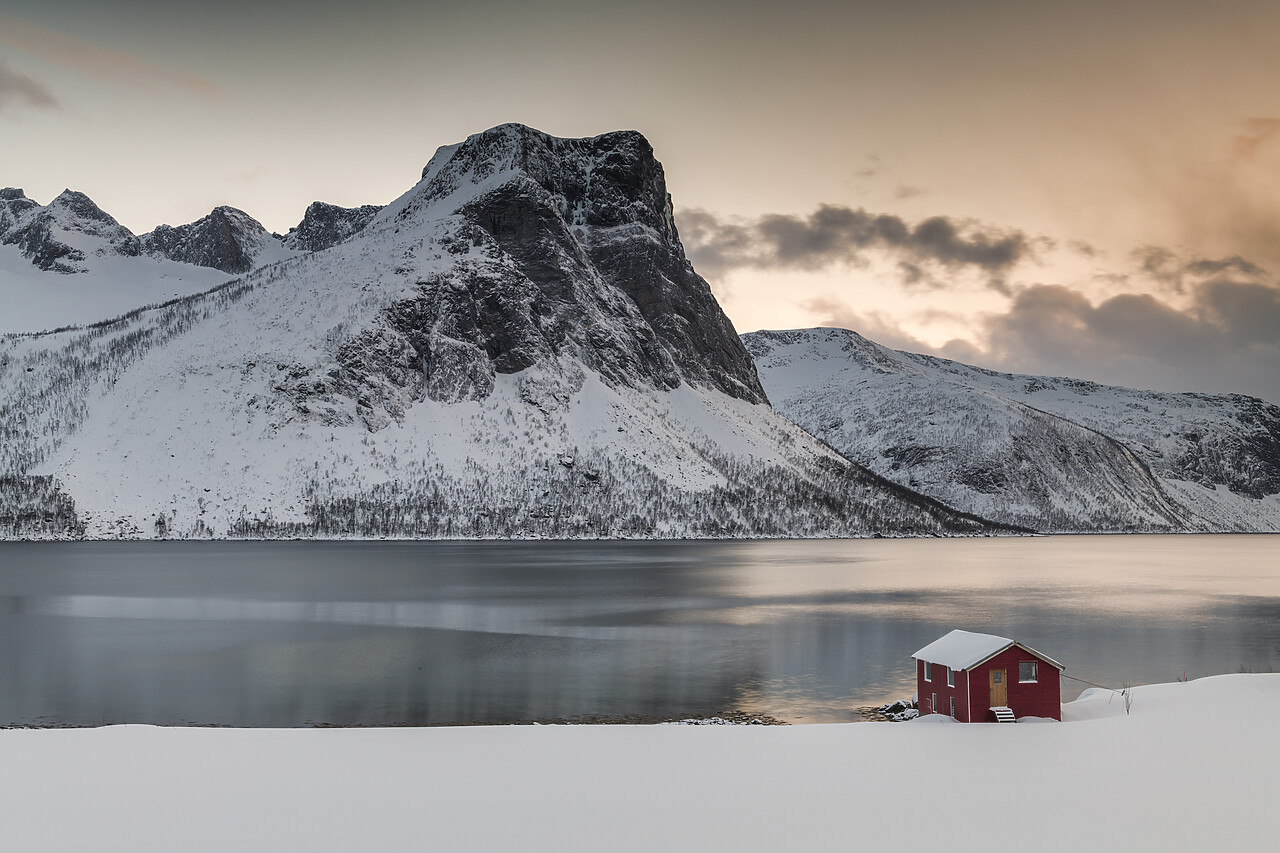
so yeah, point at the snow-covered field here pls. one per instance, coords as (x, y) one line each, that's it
(1193, 766)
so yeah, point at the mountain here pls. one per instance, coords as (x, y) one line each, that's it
(517, 346)
(1052, 454)
(59, 237)
(70, 263)
(325, 225)
(227, 239)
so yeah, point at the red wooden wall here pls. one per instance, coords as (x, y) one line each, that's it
(1043, 698)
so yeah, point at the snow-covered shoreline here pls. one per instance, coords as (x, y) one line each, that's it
(1192, 765)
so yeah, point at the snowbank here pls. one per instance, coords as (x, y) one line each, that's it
(1192, 766)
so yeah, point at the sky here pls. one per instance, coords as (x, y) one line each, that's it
(1085, 189)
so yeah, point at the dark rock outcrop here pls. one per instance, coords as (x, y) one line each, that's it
(325, 225)
(586, 261)
(227, 239)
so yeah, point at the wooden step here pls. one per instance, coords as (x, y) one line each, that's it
(1004, 714)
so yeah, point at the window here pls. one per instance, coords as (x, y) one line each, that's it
(1026, 671)
(928, 671)
(953, 706)
(933, 703)
(951, 677)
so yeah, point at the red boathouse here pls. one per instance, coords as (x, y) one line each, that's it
(982, 678)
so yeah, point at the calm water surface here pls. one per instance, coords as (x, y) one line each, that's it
(290, 634)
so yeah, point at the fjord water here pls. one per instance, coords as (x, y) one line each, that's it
(376, 633)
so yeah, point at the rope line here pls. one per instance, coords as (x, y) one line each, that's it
(1091, 684)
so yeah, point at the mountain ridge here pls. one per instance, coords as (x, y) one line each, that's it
(1203, 462)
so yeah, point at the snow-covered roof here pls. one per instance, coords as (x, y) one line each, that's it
(965, 649)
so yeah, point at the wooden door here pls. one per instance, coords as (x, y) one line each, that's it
(999, 695)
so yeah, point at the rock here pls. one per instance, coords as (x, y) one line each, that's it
(227, 239)
(325, 225)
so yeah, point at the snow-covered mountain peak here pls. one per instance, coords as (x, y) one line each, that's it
(81, 209)
(62, 235)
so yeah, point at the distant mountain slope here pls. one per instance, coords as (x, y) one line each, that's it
(515, 347)
(1051, 454)
(70, 262)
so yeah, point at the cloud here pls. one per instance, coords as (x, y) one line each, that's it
(872, 169)
(1258, 132)
(1085, 249)
(1176, 273)
(18, 88)
(122, 68)
(1219, 203)
(835, 235)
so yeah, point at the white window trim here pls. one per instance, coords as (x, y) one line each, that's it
(933, 703)
(951, 677)
(928, 671)
(1035, 672)
(953, 707)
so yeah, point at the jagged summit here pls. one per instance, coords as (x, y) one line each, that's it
(600, 181)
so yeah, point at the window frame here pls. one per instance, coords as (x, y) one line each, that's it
(933, 704)
(928, 671)
(951, 677)
(1035, 672)
(953, 707)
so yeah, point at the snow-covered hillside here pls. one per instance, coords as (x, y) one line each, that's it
(1052, 454)
(69, 262)
(1190, 767)
(515, 347)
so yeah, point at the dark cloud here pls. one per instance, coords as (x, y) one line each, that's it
(1085, 249)
(18, 88)
(836, 235)
(1177, 273)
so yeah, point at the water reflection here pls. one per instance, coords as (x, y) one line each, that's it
(376, 633)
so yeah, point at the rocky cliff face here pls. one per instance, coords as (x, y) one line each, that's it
(227, 239)
(325, 225)
(586, 261)
(1052, 454)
